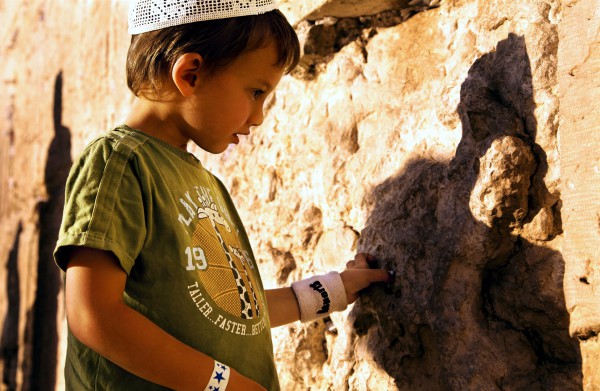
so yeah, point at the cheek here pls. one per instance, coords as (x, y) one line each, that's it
(238, 108)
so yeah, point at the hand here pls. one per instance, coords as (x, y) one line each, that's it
(358, 275)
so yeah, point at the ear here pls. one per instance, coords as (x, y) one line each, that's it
(186, 73)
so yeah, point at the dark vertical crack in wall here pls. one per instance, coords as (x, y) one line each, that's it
(9, 342)
(49, 285)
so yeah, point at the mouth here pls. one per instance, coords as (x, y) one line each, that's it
(236, 136)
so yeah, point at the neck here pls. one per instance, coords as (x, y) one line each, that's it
(157, 119)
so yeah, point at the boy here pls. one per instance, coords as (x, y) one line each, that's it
(162, 288)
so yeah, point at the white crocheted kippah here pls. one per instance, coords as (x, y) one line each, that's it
(149, 15)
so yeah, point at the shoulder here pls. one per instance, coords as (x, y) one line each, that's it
(116, 140)
(114, 153)
(116, 144)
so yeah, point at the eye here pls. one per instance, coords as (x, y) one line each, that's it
(257, 93)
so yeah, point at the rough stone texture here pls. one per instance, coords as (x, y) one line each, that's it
(316, 10)
(579, 67)
(426, 138)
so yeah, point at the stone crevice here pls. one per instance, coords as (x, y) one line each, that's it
(321, 39)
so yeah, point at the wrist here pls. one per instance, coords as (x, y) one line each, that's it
(319, 296)
(219, 378)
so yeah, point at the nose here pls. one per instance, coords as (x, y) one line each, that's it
(257, 116)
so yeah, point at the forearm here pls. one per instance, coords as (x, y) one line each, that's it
(130, 340)
(101, 320)
(283, 306)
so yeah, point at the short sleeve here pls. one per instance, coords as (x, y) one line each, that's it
(104, 206)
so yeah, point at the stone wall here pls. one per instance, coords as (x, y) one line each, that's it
(424, 132)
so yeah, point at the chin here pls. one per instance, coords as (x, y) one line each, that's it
(216, 149)
(212, 148)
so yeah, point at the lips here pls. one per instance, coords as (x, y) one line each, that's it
(236, 136)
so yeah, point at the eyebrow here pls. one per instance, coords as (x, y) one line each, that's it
(265, 84)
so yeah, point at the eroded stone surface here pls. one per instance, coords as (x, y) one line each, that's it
(316, 10)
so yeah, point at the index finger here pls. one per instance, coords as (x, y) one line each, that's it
(364, 261)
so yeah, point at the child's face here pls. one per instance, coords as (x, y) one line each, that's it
(231, 101)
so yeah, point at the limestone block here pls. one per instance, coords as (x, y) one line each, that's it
(590, 352)
(319, 9)
(579, 66)
(580, 96)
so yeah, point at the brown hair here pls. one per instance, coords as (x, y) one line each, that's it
(152, 55)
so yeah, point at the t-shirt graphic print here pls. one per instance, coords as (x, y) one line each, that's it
(221, 264)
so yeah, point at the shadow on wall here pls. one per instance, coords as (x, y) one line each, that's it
(45, 326)
(478, 300)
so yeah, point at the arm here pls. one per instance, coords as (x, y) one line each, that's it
(283, 305)
(100, 319)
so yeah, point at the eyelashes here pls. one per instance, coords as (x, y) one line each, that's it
(257, 93)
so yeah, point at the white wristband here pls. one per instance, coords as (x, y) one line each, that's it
(318, 296)
(219, 378)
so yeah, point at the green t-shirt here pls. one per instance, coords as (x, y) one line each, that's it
(176, 233)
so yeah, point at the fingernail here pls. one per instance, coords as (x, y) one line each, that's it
(330, 326)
